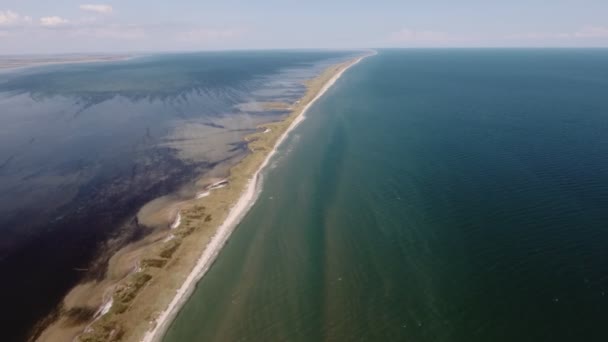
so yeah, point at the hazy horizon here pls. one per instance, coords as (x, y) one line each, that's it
(135, 53)
(68, 26)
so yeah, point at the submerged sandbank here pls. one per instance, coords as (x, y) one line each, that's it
(147, 297)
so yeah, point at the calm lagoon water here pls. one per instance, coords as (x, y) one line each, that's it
(84, 146)
(431, 195)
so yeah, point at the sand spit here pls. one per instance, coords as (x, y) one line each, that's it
(240, 208)
(171, 261)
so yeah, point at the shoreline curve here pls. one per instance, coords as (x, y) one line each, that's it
(245, 201)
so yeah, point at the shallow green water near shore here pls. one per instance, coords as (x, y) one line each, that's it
(430, 195)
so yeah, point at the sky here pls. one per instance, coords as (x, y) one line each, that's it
(72, 26)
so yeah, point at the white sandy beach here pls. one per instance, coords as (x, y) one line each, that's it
(240, 208)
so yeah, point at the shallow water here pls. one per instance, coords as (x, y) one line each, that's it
(84, 146)
(431, 195)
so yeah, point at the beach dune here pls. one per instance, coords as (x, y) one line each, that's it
(240, 208)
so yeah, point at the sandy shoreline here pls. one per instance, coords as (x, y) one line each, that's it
(184, 235)
(223, 232)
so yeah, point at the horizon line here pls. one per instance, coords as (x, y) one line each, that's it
(144, 52)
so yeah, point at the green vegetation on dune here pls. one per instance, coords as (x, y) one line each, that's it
(139, 299)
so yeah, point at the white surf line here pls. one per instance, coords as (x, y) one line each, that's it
(222, 234)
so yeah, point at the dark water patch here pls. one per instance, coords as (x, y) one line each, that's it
(239, 146)
(40, 266)
(214, 125)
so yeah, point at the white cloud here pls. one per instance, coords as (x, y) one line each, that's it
(10, 18)
(121, 32)
(592, 32)
(52, 21)
(427, 38)
(586, 32)
(98, 8)
(202, 35)
(406, 35)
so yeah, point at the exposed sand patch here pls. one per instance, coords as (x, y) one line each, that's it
(178, 220)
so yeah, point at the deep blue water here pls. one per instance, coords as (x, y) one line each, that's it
(431, 195)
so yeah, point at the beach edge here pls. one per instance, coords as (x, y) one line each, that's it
(240, 208)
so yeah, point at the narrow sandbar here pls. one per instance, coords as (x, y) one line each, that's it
(146, 301)
(240, 208)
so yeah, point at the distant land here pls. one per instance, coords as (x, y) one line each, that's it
(22, 61)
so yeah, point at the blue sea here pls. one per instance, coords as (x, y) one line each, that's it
(431, 195)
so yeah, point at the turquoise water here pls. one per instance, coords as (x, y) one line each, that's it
(431, 195)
